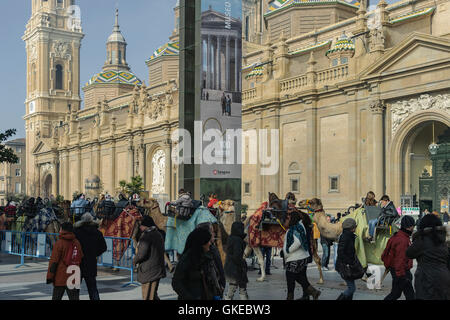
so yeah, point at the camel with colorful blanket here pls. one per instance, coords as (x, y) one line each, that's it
(368, 252)
(267, 228)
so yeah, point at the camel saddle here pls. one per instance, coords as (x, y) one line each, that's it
(272, 216)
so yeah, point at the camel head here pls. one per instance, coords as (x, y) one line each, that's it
(290, 197)
(312, 205)
(226, 206)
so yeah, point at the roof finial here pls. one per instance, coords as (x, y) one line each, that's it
(117, 18)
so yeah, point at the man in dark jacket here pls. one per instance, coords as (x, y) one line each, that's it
(432, 277)
(93, 245)
(149, 259)
(395, 260)
(387, 215)
(120, 206)
(235, 264)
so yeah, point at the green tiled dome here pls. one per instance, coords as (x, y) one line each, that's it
(342, 44)
(111, 76)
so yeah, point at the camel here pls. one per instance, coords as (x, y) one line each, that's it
(366, 251)
(226, 216)
(272, 235)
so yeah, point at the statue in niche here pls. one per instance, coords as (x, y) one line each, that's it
(158, 172)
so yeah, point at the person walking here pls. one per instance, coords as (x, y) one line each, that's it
(228, 109)
(195, 276)
(66, 252)
(326, 248)
(223, 102)
(267, 257)
(396, 261)
(445, 218)
(235, 264)
(93, 245)
(296, 252)
(149, 259)
(347, 263)
(429, 248)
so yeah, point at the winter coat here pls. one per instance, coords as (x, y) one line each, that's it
(120, 206)
(150, 256)
(183, 204)
(218, 263)
(394, 255)
(187, 280)
(57, 269)
(235, 264)
(389, 211)
(432, 277)
(297, 250)
(346, 248)
(79, 206)
(93, 245)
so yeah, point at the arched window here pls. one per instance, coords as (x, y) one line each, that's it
(59, 77)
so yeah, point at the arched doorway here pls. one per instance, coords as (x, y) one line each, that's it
(409, 158)
(48, 186)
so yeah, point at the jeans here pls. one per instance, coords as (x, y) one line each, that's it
(326, 254)
(91, 284)
(401, 285)
(267, 255)
(300, 277)
(372, 225)
(58, 293)
(351, 288)
(335, 254)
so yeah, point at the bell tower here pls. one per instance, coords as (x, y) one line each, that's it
(53, 39)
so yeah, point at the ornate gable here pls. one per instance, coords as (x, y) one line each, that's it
(41, 147)
(417, 51)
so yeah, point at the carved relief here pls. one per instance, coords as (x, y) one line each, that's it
(61, 49)
(400, 110)
(376, 39)
(377, 106)
(158, 172)
(33, 52)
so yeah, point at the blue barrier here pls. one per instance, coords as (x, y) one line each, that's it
(119, 254)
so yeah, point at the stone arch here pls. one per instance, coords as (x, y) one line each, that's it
(402, 135)
(47, 185)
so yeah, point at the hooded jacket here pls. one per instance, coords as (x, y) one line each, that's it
(57, 269)
(394, 256)
(432, 277)
(235, 264)
(93, 245)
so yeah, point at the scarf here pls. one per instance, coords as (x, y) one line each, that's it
(299, 231)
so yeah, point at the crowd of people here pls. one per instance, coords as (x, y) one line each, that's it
(200, 274)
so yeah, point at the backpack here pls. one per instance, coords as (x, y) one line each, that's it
(73, 255)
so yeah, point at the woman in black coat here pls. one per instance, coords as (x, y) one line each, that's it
(196, 276)
(235, 264)
(432, 277)
(93, 245)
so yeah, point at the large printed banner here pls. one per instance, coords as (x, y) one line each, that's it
(221, 50)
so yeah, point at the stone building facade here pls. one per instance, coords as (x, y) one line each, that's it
(352, 93)
(13, 177)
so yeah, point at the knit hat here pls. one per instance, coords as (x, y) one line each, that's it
(407, 222)
(87, 217)
(148, 222)
(349, 223)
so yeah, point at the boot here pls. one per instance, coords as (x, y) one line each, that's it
(305, 297)
(341, 297)
(243, 294)
(311, 291)
(290, 296)
(231, 290)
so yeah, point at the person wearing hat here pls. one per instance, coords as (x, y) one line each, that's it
(93, 245)
(149, 259)
(396, 261)
(346, 255)
(195, 276)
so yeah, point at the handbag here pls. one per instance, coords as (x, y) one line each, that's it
(351, 271)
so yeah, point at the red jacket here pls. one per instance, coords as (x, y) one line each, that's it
(394, 256)
(212, 202)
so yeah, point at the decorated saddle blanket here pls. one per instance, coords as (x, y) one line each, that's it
(41, 221)
(122, 227)
(267, 236)
(178, 230)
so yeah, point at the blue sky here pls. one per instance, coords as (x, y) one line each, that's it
(145, 24)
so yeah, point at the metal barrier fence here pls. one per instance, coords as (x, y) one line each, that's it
(119, 253)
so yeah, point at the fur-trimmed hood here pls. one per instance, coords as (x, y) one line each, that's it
(80, 224)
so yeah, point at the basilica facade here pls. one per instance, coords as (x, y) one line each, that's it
(357, 96)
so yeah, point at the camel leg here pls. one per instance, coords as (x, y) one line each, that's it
(260, 258)
(318, 262)
(167, 260)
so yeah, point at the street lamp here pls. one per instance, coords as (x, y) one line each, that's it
(433, 147)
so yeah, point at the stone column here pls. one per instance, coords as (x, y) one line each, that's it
(208, 62)
(227, 65)
(167, 174)
(236, 69)
(219, 63)
(130, 159)
(377, 108)
(55, 177)
(141, 168)
(79, 180)
(67, 194)
(112, 190)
